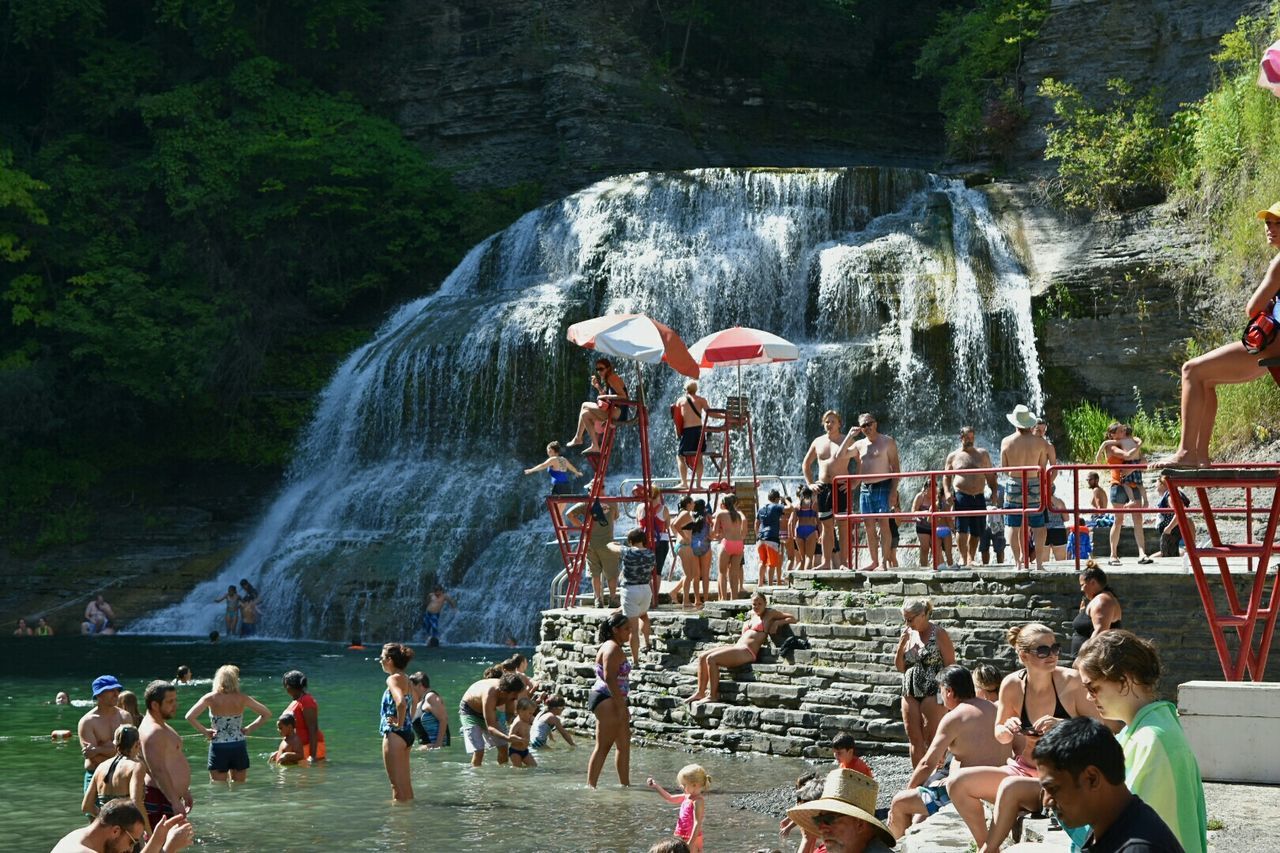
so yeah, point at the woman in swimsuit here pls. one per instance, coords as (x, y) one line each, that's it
(232, 616)
(729, 527)
(1120, 672)
(682, 525)
(306, 716)
(120, 778)
(228, 749)
(1032, 701)
(695, 536)
(558, 468)
(608, 700)
(609, 388)
(804, 528)
(923, 650)
(923, 502)
(654, 514)
(760, 623)
(396, 720)
(1099, 608)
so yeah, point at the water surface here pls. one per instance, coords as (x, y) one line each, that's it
(345, 804)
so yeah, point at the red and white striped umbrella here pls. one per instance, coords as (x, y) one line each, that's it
(637, 338)
(742, 345)
(1269, 69)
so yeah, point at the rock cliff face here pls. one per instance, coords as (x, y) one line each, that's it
(564, 93)
(1164, 45)
(1116, 300)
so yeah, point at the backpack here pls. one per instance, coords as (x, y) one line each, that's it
(677, 417)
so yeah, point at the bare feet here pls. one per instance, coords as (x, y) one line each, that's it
(1182, 459)
(591, 449)
(576, 442)
(871, 567)
(695, 698)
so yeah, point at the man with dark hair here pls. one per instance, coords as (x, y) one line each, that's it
(168, 779)
(844, 749)
(968, 731)
(1081, 768)
(969, 492)
(118, 828)
(478, 712)
(98, 726)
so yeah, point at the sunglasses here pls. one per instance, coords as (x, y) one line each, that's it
(825, 819)
(137, 842)
(1046, 652)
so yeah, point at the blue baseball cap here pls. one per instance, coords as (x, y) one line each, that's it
(103, 683)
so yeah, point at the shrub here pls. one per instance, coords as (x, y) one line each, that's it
(1086, 427)
(977, 57)
(1109, 158)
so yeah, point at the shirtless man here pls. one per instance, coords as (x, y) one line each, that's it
(1042, 429)
(478, 712)
(832, 456)
(98, 617)
(168, 782)
(435, 606)
(97, 728)
(1023, 448)
(967, 731)
(968, 492)
(693, 413)
(118, 828)
(876, 453)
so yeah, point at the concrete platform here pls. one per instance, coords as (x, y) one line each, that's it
(1234, 729)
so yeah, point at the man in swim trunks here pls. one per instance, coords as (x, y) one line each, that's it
(1022, 448)
(435, 606)
(97, 728)
(876, 453)
(832, 456)
(693, 411)
(248, 616)
(602, 563)
(168, 779)
(968, 491)
(478, 712)
(98, 617)
(967, 731)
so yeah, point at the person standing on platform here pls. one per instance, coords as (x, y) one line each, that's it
(769, 539)
(832, 454)
(637, 588)
(692, 413)
(558, 468)
(969, 493)
(1024, 449)
(876, 453)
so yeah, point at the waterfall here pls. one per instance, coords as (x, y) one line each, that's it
(897, 285)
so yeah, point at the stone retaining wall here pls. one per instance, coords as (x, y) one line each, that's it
(846, 680)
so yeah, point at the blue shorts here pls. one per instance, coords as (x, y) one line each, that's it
(1034, 520)
(970, 524)
(934, 797)
(248, 629)
(431, 624)
(1120, 494)
(233, 755)
(874, 497)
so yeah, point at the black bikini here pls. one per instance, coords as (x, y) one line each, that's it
(1058, 711)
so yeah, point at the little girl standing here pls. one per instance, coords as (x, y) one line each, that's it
(694, 780)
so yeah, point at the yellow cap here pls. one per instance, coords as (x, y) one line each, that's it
(1272, 212)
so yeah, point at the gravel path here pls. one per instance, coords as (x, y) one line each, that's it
(892, 772)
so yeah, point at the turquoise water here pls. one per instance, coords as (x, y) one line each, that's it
(345, 804)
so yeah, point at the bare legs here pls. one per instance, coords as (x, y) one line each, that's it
(395, 757)
(703, 563)
(613, 730)
(639, 623)
(709, 664)
(1016, 794)
(926, 550)
(1227, 365)
(1014, 537)
(921, 718)
(879, 541)
(689, 584)
(907, 808)
(588, 417)
(968, 788)
(830, 556)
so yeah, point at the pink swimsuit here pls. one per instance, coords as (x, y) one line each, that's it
(684, 823)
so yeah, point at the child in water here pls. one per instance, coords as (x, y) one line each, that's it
(693, 779)
(290, 749)
(520, 734)
(548, 722)
(558, 468)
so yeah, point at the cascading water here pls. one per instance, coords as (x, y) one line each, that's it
(898, 286)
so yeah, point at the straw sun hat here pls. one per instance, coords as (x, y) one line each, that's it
(845, 792)
(1022, 417)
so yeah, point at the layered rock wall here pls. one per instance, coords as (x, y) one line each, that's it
(846, 680)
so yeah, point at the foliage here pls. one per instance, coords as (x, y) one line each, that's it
(1109, 158)
(198, 218)
(1086, 427)
(977, 57)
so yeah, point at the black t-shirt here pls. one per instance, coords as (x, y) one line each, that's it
(1138, 829)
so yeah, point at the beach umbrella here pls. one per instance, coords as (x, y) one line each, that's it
(742, 345)
(634, 337)
(1269, 71)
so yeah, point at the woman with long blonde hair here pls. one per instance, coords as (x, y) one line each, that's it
(228, 748)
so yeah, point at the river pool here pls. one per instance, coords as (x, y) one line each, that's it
(345, 803)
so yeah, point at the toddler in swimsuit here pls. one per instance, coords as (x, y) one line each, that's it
(520, 734)
(693, 779)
